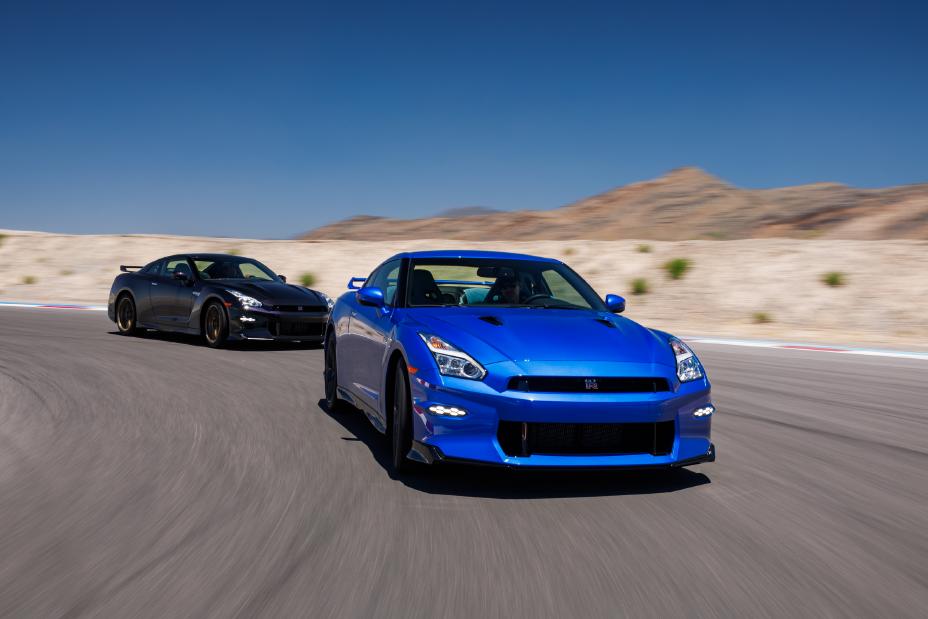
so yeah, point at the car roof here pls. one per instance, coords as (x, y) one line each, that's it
(209, 256)
(470, 253)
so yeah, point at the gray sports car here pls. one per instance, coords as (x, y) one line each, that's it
(218, 296)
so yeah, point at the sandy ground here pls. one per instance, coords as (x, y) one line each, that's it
(883, 302)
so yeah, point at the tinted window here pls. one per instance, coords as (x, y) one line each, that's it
(386, 277)
(561, 288)
(171, 266)
(500, 282)
(152, 269)
(229, 267)
(250, 270)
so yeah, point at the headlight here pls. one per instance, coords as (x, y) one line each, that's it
(328, 300)
(688, 366)
(451, 361)
(246, 301)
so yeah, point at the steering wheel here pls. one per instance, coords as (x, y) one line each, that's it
(540, 295)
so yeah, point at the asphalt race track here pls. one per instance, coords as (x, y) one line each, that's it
(154, 477)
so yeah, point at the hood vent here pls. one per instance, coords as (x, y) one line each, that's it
(493, 320)
(605, 322)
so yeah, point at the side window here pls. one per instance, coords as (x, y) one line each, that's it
(202, 266)
(562, 289)
(386, 277)
(154, 268)
(171, 266)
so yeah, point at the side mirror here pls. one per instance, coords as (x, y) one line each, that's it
(182, 276)
(282, 278)
(371, 295)
(615, 303)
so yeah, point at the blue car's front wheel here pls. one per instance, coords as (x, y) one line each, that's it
(401, 420)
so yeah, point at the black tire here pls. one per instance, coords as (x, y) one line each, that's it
(126, 316)
(330, 378)
(215, 326)
(401, 420)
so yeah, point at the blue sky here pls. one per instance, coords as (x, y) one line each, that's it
(266, 119)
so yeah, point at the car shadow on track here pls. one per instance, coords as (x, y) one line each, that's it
(500, 483)
(195, 340)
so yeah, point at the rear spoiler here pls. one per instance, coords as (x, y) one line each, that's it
(355, 280)
(125, 267)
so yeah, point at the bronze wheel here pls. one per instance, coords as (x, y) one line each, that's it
(125, 316)
(215, 326)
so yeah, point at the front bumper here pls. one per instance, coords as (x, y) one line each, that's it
(475, 437)
(432, 454)
(277, 326)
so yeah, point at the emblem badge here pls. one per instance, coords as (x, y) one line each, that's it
(299, 308)
(591, 384)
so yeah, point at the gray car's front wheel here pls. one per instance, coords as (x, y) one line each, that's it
(215, 326)
(330, 378)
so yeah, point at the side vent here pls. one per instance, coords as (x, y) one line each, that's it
(493, 320)
(605, 322)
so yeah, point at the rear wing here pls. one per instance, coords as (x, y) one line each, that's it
(356, 280)
(125, 267)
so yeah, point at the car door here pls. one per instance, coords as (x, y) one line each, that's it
(370, 329)
(165, 291)
(143, 290)
(161, 294)
(184, 295)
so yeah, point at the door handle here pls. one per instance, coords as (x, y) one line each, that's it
(154, 283)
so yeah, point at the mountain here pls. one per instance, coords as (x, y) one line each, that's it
(467, 211)
(686, 203)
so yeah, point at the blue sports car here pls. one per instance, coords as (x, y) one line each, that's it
(512, 360)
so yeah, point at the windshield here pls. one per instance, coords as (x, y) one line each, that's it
(498, 283)
(229, 267)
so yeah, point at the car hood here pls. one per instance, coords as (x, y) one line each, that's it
(520, 335)
(275, 293)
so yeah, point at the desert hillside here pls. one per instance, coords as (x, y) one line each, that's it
(765, 288)
(687, 203)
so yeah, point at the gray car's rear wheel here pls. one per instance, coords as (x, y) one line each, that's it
(126, 320)
(215, 326)
(401, 420)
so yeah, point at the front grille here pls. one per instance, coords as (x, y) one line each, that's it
(524, 439)
(582, 384)
(291, 328)
(300, 308)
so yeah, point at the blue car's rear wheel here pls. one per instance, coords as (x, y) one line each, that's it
(330, 377)
(401, 420)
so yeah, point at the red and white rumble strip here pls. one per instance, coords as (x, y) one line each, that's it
(88, 308)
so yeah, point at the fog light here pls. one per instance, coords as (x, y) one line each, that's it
(705, 411)
(447, 411)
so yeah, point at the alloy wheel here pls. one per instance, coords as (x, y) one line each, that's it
(125, 317)
(213, 324)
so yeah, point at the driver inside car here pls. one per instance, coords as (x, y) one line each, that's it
(509, 292)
